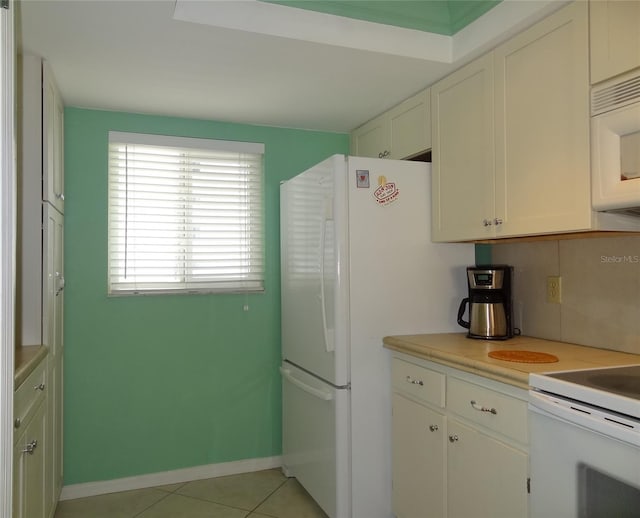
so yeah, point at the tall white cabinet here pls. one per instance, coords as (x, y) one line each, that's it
(41, 248)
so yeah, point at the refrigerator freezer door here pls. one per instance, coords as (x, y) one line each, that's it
(315, 439)
(313, 208)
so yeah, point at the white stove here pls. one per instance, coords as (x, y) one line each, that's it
(585, 430)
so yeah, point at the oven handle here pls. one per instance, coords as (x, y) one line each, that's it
(585, 417)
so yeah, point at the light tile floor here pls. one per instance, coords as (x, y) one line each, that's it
(262, 494)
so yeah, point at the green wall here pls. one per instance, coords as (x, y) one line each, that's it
(166, 382)
(483, 254)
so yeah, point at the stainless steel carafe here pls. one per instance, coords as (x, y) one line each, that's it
(489, 303)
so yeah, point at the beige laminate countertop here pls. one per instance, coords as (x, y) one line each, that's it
(456, 350)
(27, 359)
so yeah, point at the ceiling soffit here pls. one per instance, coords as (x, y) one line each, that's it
(444, 17)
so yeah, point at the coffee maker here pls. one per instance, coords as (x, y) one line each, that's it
(489, 300)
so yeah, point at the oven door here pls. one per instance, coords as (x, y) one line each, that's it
(577, 471)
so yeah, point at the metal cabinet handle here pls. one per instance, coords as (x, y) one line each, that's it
(433, 428)
(60, 196)
(487, 222)
(414, 382)
(60, 282)
(384, 154)
(453, 438)
(497, 221)
(17, 422)
(39, 387)
(481, 408)
(31, 447)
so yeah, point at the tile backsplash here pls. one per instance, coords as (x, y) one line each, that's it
(600, 290)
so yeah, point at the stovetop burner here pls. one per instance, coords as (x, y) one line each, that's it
(624, 381)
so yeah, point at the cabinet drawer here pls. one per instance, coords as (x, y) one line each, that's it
(28, 396)
(418, 381)
(496, 411)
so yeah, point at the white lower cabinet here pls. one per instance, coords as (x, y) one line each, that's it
(30, 445)
(53, 461)
(485, 477)
(29, 468)
(461, 453)
(419, 445)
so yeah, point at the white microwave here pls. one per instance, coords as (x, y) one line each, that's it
(615, 145)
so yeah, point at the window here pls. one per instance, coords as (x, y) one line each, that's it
(185, 215)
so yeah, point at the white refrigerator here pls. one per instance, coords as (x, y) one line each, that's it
(357, 264)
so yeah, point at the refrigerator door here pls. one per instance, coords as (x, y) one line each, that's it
(399, 283)
(313, 233)
(315, 439)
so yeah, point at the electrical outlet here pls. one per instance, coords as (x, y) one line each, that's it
(554, 289)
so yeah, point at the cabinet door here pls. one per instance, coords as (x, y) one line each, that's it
(485, 478)
(29, 469)
(53, 319)
(418, 444)
(372, 139)
(53, 460)
(542, 127)
(53, 279)
(615, 37)
(52, 141)
(463, 153)
(18, 480)
(410, 126)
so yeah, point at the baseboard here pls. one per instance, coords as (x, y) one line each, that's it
(168, 477)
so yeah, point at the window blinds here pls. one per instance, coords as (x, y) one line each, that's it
(185, 215)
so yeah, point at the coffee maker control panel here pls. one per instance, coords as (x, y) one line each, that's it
(485, 279)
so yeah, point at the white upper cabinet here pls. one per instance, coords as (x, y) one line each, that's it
(463, 153)
(402, 132)
(372, 139)
(52, 141)
(615, 37)
(543, 180)
(511, 136)
(42, 134)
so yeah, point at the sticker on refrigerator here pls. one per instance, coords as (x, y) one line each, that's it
(362, 179)
(387, 192)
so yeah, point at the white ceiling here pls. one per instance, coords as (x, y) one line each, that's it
(247, 61)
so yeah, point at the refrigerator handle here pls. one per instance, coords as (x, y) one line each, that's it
(328, 342)
(320, 394)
